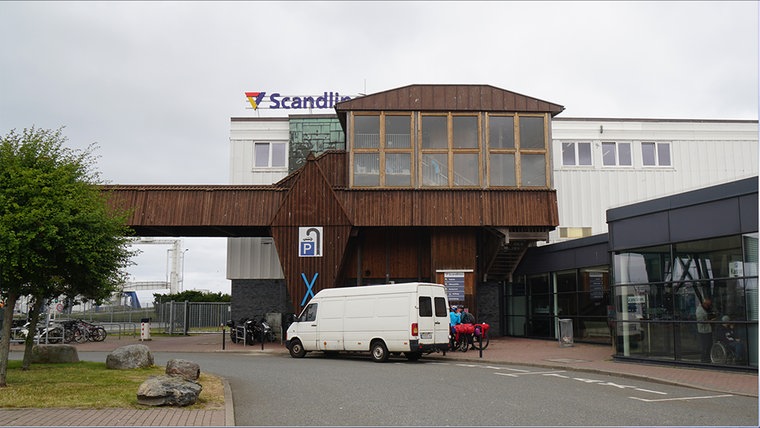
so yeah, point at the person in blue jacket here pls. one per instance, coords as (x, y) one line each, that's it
(455, 317)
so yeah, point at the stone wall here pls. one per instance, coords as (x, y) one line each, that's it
(488, 306)
(253, 298)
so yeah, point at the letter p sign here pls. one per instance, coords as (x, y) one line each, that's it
(309, 242)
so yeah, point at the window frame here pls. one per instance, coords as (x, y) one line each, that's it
(617, 145)
(576, 153)
(450, 151)
(381, 149)
(657, 145)
(270, 155)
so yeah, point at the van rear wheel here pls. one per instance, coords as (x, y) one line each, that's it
(379, 351)
(296, 349)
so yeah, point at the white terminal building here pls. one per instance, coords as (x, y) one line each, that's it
(597, 165)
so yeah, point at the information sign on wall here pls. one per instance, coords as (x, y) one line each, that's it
(454, 283)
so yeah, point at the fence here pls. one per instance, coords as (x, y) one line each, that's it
(172, 317)
(198, 317)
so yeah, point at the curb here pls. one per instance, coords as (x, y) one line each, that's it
(229, 406)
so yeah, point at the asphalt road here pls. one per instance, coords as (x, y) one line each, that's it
(274, 389)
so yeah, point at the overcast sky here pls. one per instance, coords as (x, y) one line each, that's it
(154, 84)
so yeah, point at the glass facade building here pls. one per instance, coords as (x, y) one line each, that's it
(641, 286)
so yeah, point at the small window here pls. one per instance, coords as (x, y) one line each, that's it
(533, 170)
(440, 307)
(435, 132)
(366, 132)
(502, 170)
(398, 134)
(465, 132)
(435, 169)
(655, 154)
(398, 169)
(616, 154)
(501, 132)
(366, 169)
(576, 154)
(466, 169)
(269, 155)
(426, 306)
(532, 132)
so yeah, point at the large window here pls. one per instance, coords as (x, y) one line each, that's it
(517, 150)
(658, 289)
(382, 150)
(449, 150)
(655, 154)
(269, 155)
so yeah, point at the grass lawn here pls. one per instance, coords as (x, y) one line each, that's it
(90, 385)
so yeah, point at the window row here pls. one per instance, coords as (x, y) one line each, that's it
(614, 153)
(448, 150)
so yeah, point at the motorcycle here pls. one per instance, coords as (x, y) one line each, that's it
(251, 330)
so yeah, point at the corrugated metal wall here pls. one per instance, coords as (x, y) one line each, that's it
(703, 153)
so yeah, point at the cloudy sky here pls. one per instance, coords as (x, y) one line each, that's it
(154, 84)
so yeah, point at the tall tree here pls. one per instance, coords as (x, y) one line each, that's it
(58, 234)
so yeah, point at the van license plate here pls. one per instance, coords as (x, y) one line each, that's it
(426, 335)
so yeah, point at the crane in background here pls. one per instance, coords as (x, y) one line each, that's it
(175, 272)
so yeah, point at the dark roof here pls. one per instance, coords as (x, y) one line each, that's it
(448, 98)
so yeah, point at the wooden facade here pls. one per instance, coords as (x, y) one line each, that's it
(369, 236)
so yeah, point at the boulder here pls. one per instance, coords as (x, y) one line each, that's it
(129, 357)
(54, 354)
(183, 368)
(168, 391)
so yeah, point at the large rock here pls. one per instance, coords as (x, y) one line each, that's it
(168, 391)
(183, 368)
(129, 357)
(54, 354)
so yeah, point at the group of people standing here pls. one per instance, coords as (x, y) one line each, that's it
(458, 315)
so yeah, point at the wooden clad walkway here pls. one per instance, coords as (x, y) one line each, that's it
(163, 416)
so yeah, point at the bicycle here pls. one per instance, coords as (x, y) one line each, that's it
(468, 336)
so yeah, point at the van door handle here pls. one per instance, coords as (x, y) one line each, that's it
(437, 322)
(313, 325)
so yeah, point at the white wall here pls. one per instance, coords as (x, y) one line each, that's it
(254, 258)
(703, 153)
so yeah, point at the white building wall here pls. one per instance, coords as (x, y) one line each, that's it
(254, 258)
(703, 153)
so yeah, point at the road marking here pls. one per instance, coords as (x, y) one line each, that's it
(530, 373)
(680, 398)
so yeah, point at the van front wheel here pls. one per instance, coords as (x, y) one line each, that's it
(379, 352)
(296, 349)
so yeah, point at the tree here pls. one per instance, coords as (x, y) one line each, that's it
(58, 234)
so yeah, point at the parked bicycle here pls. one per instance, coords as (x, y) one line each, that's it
(470, 336)
(81, 331)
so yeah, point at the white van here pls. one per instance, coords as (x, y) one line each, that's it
(412, 318)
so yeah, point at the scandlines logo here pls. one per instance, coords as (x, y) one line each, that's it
(255, 98)
(277, 101)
